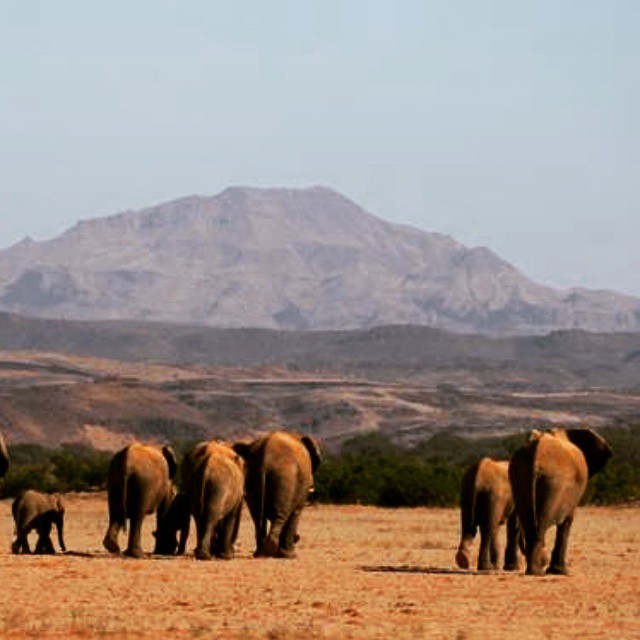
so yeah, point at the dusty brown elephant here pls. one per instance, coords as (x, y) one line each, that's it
(34, 510)
(548, 477)
(4, 456)
(486, 503)
(139, 483)
(213, 479)
(175, 520)
(279, 478)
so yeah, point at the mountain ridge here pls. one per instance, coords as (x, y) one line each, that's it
(287, 259)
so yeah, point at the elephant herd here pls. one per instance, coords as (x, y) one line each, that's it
(273, 473)
(538, 488)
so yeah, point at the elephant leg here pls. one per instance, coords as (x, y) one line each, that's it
(289, 535)
(45, 545)
(21, 543)
(463, 556)
(184, 535)
(271, 544)
(110, 541)
(485, 555)
(134, 548)
(559, 554)
(511, 551)
(227, 532)
(205, 529)
(537, 556)
(253, 504)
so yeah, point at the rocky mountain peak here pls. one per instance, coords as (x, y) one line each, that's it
(286, 258)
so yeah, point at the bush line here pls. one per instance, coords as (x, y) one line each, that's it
(370, 469)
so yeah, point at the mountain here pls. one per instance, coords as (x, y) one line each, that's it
(287, 259)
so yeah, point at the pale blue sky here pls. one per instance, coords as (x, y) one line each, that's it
(513, 124)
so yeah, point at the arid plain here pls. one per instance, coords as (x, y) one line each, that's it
(362, 572)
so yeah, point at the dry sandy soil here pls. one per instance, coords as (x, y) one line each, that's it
(361, 573)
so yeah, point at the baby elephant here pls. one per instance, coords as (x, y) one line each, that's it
(39, 511)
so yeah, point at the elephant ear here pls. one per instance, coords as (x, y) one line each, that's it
(170, 456)
(314, 451)
(595, 448)
(4, 456)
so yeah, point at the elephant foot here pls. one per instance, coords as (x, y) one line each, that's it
(268, 549)
(535, 571)
(202, 554)
(134, 553)
(462, 560)
(288, 554)
(511, 566)
(224, 555)
(15, 547)
(557, 570)
(111, 545)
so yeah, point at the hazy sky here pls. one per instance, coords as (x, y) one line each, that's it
(513, 124)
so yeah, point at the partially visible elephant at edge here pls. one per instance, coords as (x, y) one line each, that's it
(279, 479)
(139, 483)
(175, 520)
(486, 503)
(213, 479)
(34, 510)
(4, 457)
(548, 477)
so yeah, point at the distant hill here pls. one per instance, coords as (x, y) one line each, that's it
(287, 259)
(564, 359)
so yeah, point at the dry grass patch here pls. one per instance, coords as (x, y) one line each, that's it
(325, 593)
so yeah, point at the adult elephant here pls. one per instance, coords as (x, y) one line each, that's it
(34, 510)
(279, 478)
(213, 480)
(139, 483)
(548, 477)
(4, 456)
(486, 502)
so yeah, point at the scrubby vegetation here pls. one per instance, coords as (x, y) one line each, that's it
(67, 468)
(370, 469)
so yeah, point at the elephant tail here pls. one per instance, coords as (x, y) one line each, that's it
(263, 511)
(468, 499)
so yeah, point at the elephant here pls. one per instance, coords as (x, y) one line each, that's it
(548, 477)
(279, 479)
(176, 519)
(139, 483)
(4, 457)
(213, 479)
(486, 502)
(39, 511)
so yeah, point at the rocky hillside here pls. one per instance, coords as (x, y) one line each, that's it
(291, 259)
(48, 399)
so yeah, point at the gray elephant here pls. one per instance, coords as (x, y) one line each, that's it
(34, 510)
(139, 483)
(279, 479)
(548, 477)
(175, 520)
(486, 503)
(213, 479)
